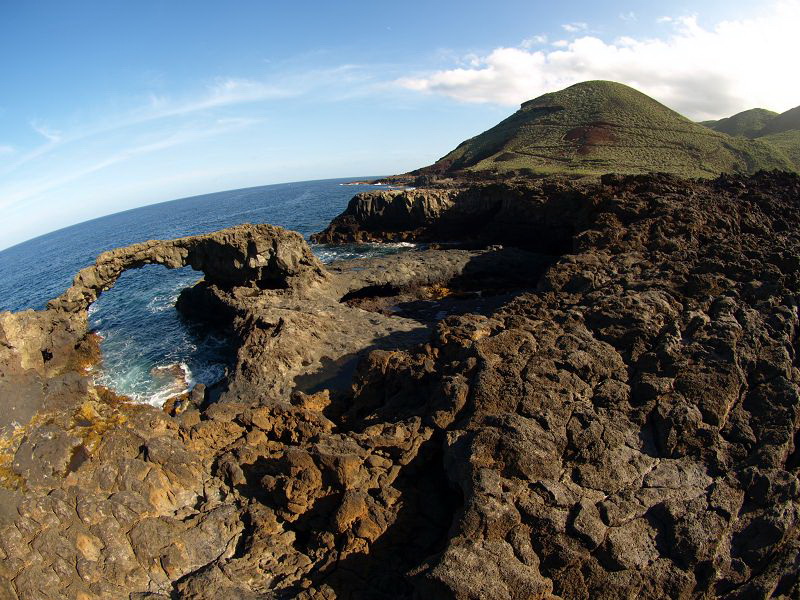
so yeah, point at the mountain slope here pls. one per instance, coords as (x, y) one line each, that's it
(786, 121)
(781, 131)
(599, 127)
(748, 123)
(787, 142)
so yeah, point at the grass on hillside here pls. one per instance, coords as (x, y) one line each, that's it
(744, 124)
(786, 121)
(599, 126)
(780, 131)
(787, 142)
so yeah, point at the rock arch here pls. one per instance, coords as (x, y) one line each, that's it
(263, 256)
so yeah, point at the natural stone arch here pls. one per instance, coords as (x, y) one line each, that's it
(264, 256)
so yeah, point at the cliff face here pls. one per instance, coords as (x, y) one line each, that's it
(613, 415)
(540, 216)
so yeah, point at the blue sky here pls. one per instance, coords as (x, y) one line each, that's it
(110, 105)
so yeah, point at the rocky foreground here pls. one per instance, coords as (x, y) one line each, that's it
(595, 397)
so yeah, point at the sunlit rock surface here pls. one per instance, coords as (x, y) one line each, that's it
(606, 406)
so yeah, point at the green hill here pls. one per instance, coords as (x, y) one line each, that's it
(787, 142)
(745, 124)
(598, 127)
(786, 121)
(781, 131)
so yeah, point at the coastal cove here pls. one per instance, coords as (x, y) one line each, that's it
(149, 351)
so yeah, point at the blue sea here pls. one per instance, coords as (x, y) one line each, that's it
(149, 351)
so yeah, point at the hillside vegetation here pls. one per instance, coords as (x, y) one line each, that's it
(787, 121)
(598, 127)
(782, 131)
(787, 142)
(746, 124)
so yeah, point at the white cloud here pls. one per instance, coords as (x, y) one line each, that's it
(218, 94)
(574, 27)
(628, 17)
(703, 73)
(51, 135)
(536, 40)
(5, 149)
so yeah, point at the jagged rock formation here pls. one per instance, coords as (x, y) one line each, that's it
(539, 215)
(137, 499)
(38, 348)
(629, 428)
(633, 429)
(264, 256)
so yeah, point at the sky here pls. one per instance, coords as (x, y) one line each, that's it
(108, 105)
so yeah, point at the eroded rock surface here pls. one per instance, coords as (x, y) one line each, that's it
(625, 426)
(536, 215)
(264, 256)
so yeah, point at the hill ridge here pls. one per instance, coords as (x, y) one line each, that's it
(781, 131)
(747, 123)
(786, 121)
(599, 126)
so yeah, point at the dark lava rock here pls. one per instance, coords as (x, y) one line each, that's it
(632, 429)
(541, 216)
(625, 424)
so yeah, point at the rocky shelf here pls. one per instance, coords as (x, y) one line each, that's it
(581, 390)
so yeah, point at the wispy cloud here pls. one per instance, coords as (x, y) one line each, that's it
(536, 40)
(5, 149)
(155, 123)
(25, 189)
(51, 135)
(704, 73)
(219, 93)
(628, 17)
(231, 91)
(574, 27)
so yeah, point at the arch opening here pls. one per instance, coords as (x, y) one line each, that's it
(150, 351)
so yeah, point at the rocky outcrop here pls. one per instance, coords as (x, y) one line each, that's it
(42, 356)
(264, 256)
(42, 352)
(618, 417)
(138, 500)
(632, 429)
(501, 213)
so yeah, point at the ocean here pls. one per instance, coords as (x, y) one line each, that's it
(149, 351)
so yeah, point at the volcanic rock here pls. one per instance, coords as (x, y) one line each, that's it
(262, 255)
(541, 216)
(622, 423)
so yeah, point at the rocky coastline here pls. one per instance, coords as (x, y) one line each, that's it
(580, 389)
